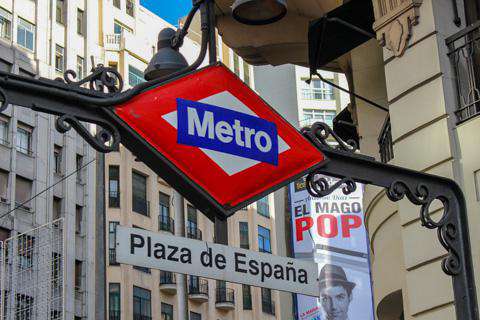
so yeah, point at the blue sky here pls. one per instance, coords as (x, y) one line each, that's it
(170, 10)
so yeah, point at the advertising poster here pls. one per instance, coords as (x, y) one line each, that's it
(331, 232)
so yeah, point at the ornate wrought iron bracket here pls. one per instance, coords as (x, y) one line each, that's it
(418, 187)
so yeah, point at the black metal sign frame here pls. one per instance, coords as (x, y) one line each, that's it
(92, 100)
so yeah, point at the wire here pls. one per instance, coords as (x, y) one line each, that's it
(350, 92)
(45, 190)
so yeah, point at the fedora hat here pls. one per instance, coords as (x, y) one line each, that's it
(332, 275)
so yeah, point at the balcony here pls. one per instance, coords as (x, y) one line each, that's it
(114, 315)
(112, 257)
(194, 233)
(464, 54)
(225, 299)
(198, 291)
(166, 224)
(168, 282)
(113, 42)
(268, 307)
(385, 142)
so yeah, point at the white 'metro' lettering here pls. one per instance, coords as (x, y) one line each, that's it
(225, 132)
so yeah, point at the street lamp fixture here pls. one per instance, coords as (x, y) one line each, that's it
(259, 12)
(168, 59)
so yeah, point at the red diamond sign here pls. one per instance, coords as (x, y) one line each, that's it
(220, 144)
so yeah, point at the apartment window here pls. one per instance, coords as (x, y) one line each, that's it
(4, 130)
(80, 22)
(167, 311)
(59, 58)
(310, 116)
(56, 208)
(114, 186)
(57, 159)
(60, 13)
(3, 186)
(80, 67)
(139, 194)
(246, 74)
(114, 301)
(25, 34)
(119, 28)
(23, 192)
(195, 316)
(164, 205)
(78, 219)
(267, 303)
(25, 249)
(135, 76)
(142, 309)
(244, 241)
(264, 240)
(116, 4)
(247, 297)
(192, 223)
(5, 24)
(317, 90)
(263, 208)
(24, 139)
(131, 8)
(78, 275)
(236, 64)
(23, 307)
(112, 242)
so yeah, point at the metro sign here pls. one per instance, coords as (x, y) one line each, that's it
(220, 144)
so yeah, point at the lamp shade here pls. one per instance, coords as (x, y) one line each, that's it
(167, 60)
(259, 12)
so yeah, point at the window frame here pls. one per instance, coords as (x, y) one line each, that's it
(27, 27)
(140, 203)
(59, 58)
(244, 235)
(114, 300)
(142, 300)
(135, 76)
(6, 31)
(80, 22)
(113, 201)
(262, 239)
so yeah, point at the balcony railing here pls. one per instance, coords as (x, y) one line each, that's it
(225, 295)
(112, 256)
(137, 316)
(194, 233)
(166, 224)
(198, 287)
(385, 142)
(113, 41)
(268, 306)
(167, 277)
(464, 53)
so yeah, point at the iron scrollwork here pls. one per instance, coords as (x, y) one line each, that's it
(321, 134)
(106, 139)
(447, 231)
(321, 187)
(102, 79)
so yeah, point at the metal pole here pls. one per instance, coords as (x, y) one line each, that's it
(212, 48)
(182, 296)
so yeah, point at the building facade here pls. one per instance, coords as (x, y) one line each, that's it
(423, 67)
(45, 175)
(137, 197)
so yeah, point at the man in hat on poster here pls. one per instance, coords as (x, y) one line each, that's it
(335, 292)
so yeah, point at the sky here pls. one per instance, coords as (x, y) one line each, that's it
(169, 10)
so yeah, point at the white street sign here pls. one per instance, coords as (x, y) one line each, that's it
(199, 258)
